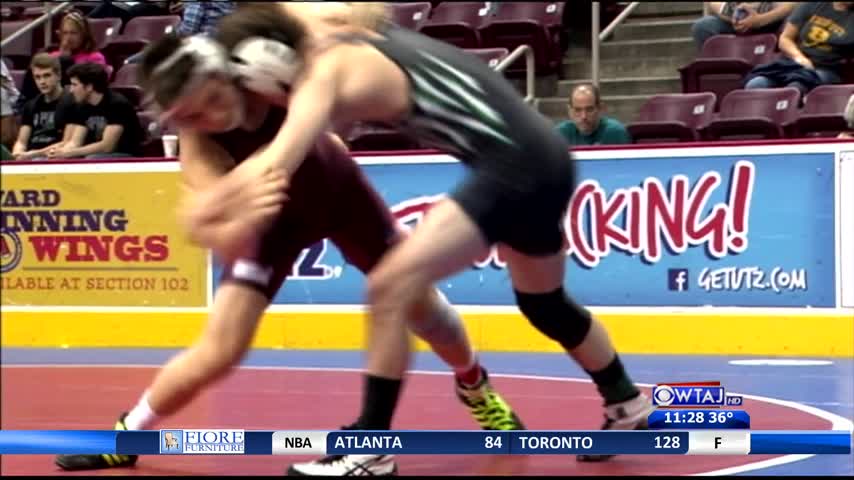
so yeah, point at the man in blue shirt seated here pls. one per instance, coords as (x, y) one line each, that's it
(587, 125)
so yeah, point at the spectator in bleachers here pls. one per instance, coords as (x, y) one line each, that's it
(741, 18)
(817, 38)
(76, 45)
(849, 117)
(45, 120)
(76, 40)
(8, 123)
(127, 11)
(198, 17)
(202, 17)
(106, 124)
(587, 125)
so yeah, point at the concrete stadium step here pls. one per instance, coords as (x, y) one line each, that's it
(579, 67)
(648, 29)
(662, 9)
(544, 86)
(657, 48)
(626, 85)
(622, 107)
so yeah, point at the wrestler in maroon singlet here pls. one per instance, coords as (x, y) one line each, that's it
(329, 198)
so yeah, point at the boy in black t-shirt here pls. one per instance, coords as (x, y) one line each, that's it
(45, 120)
(106, 124)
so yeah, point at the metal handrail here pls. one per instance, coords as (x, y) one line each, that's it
(598, 36)
(36, 23)
(529, 68)
(617, 21)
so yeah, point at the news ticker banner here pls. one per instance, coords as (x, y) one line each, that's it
(752, 230)
(97, 239)
(721, 226)
(312, 442)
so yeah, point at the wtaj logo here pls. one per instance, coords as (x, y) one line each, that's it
(693, 394)
(677, 279)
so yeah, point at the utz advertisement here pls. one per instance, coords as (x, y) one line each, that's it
(728, 230)
(96, 239)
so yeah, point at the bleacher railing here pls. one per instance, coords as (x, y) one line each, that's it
(599, 37)
(45, 17)
(529, 68)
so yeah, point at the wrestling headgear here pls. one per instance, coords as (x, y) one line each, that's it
(265, 66)
(259, 64)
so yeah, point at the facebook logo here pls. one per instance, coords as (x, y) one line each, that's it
(677, 279)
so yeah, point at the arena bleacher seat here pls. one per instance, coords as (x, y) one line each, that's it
(105, 30)
(19, 51)
(673, 118)
(125, 76)
(457, 23)
(755, 114)
(536, 24)
(724, 61)
(823, 112)
(136, 35)
(410, 15)
(492, 56)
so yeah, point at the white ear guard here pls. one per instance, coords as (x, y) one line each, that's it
(265, 66)
(209, 57)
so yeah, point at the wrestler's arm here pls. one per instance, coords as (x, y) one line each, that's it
(202, 160)
(310, 112)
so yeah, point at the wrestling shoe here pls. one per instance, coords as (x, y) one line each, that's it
(487, 407)
(346, 466)
(96, 462)
(629, 415)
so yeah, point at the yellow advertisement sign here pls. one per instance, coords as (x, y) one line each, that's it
(96, 239)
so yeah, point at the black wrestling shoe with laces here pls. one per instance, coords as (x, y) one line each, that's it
(486, 405)
(629, 415)
(97, 462)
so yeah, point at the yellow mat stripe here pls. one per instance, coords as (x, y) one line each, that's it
(689, 333)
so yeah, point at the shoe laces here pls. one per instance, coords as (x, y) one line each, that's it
(331, 459)
(608, 422)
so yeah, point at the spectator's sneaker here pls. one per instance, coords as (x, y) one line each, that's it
(487, 407)
(629, 415)
(97, 462)
(346, 466)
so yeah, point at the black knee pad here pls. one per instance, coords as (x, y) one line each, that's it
(556, 316)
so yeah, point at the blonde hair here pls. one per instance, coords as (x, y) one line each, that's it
(76, 18)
